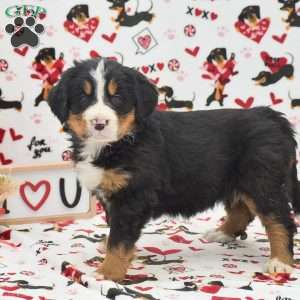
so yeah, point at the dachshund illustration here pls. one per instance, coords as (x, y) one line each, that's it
(16, 104)
(279, 68)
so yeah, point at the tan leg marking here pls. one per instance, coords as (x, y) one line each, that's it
(114, 180)
(237, 220)
(277, 234)
(116, 263)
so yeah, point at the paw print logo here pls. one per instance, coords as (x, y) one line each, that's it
(24, 33)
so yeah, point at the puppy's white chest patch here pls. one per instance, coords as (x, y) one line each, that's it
(89, 175)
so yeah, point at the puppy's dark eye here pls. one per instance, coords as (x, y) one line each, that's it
(116, 100)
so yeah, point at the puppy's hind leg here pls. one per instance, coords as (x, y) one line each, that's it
(280, 229)
(237, 219)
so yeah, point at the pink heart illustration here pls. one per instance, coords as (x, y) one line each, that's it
(144, 41)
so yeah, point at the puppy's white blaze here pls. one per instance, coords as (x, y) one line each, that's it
(100, 110)
(89, 175)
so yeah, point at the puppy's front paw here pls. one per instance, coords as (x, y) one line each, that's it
(274, 265)
(114, 273)
(215, 235)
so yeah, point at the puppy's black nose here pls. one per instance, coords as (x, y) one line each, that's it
(100, 126)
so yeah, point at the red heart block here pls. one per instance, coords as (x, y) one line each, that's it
(193, 52)
(154, 81)
(94, 54)
(245, 104)
(211, 289)
(14, 135)
(21, 51)
(213, 16)
(35, 188)
(84, 32)
(198, 12)
(160, 66)
(274, 99)
(4, 161)
(143, 289)
(2, 132)
(109, 38)
(280, 39)
(145, 69)
(144, 41)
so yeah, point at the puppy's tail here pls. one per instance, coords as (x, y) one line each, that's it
(292, 57)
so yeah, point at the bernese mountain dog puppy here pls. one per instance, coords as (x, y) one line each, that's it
(146, 163)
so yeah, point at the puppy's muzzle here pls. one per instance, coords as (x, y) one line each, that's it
(99, 124)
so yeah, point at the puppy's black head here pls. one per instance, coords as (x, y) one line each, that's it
(250, 13)
(217, 54)
(102, 99)
(79, 12)
(46, 54)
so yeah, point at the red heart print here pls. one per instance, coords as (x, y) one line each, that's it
(84, 32)
(179, 239)
(143, 289)
(14, 135)
(280, 39)
(198, 12)
(245, 104)
(35, 188)
(211, 289)
(2, 133)
(254, 34)
(154, 81)
(160, 66)
(213, 16)
(274, 99)
(109, 38)
(94, 54)
(192, 52)
(21, 51)
(225, 298)
(4, 161)
(145, 69)
(42, 16)
(144, 41)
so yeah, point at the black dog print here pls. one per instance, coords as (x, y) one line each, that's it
(293, 18)
(279, 68)
(16, 104)
(220, 69)
(167, 94)
(295, 102)
(129, 20)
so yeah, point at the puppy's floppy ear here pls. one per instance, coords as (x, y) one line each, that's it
(147, 97)
(58, 101)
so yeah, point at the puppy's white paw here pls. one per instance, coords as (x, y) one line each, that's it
(215, 235)
(274, 265)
